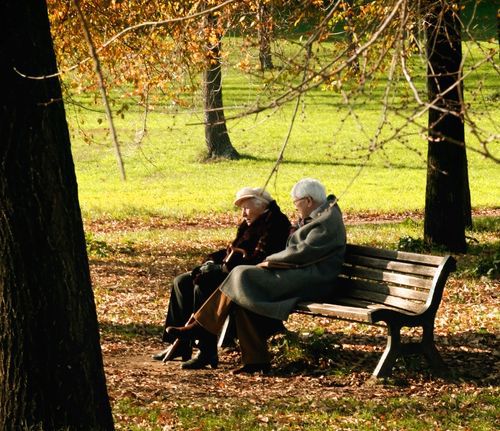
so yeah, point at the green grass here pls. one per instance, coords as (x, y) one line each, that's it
(450, 412)
(166, 177)
(479, 17)
(202, 238)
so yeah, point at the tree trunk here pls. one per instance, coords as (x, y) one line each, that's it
(498, 29)
(352, 41)
(447, 203)
(265, 30)
(51, 369)
(216, 135)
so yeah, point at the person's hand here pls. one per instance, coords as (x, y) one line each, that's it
(195, 271)
(209, 266)
(264, 264)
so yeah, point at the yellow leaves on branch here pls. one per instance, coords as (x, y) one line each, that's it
(245, 64)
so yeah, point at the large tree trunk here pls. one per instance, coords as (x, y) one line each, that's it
(447, 203)
(51, 369)
(216, 135)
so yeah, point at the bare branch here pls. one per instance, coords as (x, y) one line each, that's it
(102, 88)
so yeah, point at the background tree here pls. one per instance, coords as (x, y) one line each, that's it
(265, 25)
(447, 203)
(154, 62)
(387, 49)
(51, 370)
(216, 135)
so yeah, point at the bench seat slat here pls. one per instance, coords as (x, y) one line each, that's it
(382, 299)
(353, 302)
(386, 276)
(335, 310)
(408, 268)
(344, 285)
(402, 256)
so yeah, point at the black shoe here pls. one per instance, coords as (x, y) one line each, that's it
(160, 355)
(201, 361)
(183, 352)
(263, 368)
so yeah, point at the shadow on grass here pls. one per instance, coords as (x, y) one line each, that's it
(470, 357)
(130, 331)
(326, 163)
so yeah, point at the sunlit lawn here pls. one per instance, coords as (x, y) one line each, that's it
(329, 141)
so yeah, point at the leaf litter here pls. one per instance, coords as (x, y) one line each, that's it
(132, 288)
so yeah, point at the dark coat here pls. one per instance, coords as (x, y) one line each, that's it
(315, 253)
(268, 234)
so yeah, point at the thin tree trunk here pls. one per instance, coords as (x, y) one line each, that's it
(498, 29)
(265, 30)
(102, 88)
(216, 135)
(51, 369)
(352, 40)
(447, 204)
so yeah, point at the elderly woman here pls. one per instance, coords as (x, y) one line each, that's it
(305, 270)
(263, 231)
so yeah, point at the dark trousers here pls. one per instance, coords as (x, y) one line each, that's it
(187, 297)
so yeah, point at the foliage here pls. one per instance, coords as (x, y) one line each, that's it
(296, 352)
(488, 265)
(408, 243)
(347, 49)
(418, 245)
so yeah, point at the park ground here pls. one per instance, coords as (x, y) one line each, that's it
(321, 370)
(173, 209)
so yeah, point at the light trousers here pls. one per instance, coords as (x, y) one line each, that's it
(212, 315)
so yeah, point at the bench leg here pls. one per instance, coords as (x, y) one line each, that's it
(391, 353)
(395, 348)
(429, 349)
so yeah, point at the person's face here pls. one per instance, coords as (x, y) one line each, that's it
(250, 210)
(304, 206)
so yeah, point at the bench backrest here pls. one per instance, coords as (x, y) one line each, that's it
(410, 282)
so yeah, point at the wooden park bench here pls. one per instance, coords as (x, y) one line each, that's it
(397, 288)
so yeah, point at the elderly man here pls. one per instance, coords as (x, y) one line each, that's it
(263, 231)
(305, 270)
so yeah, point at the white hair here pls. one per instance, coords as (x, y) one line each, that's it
(259, 202)
(309, 187)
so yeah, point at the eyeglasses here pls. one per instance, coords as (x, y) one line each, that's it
(299, 199)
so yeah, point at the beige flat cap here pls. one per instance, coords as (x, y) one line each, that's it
(252, 192)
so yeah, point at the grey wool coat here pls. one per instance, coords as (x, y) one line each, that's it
(314, 255)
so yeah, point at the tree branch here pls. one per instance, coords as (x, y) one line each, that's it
(102, 87)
